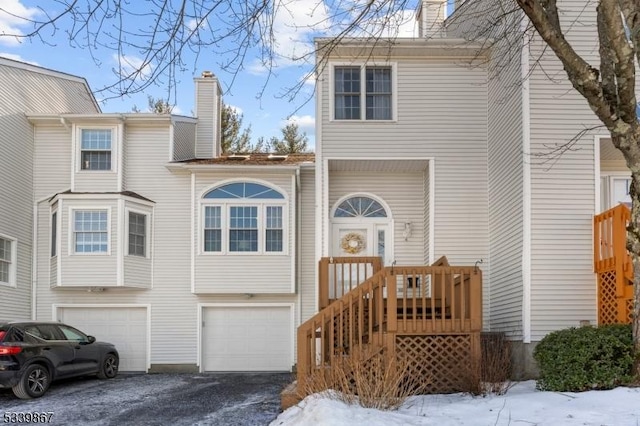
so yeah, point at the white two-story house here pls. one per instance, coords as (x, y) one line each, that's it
(135, 228)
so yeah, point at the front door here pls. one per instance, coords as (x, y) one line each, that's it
(360, 227)
(361, 239)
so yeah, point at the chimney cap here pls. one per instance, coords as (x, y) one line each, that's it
(207, 74)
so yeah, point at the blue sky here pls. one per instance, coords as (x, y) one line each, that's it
(266, 113)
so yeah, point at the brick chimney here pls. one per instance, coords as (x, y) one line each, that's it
(208, 108)
(430, 16)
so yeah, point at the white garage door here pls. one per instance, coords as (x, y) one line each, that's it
(247, 338)
(124, 327)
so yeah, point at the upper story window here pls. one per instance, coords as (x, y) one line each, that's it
(90, 233)
(95, 149)
(7, 261)
(366, 88)
(244, 217)
(137, 234)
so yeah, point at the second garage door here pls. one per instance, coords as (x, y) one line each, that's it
(125, 327)
(256, 338)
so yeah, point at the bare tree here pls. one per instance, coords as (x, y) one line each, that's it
(154, 41)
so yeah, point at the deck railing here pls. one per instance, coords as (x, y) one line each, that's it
(339, 275)
(610, 241)
(421, 300)
(613, 265)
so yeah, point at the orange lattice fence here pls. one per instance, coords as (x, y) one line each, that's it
(613, 266)
(443, 360)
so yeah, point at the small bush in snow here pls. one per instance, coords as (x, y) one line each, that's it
(586, 358)
(367, 377)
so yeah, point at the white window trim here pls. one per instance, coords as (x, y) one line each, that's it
(72, 230)
(13, 266)
(147, 230)
(262, 205)
(77, 143)
(363, 65)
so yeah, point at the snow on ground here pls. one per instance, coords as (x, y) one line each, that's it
(522, 405)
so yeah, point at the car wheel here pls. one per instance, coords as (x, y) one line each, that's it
(109, 368)
(34, 382)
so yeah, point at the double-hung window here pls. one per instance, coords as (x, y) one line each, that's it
(95, 149)
(7, 261)
(90, 231)
(137, 234)
(367, 88)
(244, 217)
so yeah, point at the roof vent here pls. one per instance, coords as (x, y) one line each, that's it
(278, 157)
(207, 74)
(238, 156)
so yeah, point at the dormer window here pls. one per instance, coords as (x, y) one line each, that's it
(95, 150)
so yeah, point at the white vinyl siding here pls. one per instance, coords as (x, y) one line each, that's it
(184, 135)
(506, 162)
(442, 113)
(306, 244)
(563, 285)
(208, 113)
(28, 88)
(403, 193)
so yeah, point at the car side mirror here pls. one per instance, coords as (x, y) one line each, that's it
(91, 339)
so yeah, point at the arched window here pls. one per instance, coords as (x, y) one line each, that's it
(360, 206)
(244, 217)
(244, 190)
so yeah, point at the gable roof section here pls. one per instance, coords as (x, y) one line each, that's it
(52, 73)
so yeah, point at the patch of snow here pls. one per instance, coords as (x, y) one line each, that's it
(522, 404)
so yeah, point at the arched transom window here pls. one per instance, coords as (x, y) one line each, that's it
(244, 217)
(360, 206)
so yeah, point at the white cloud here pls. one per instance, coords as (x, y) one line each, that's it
(176, 110)
(132, 67)
(306, 123)
(17, 58)
(13, 15)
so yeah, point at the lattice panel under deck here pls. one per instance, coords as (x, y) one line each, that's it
(442, 359)
(608, 305)
(630, 311)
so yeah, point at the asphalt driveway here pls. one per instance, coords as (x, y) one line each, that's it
(159, 399)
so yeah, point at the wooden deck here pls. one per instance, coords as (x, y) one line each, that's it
(430, 314)
(613, 266)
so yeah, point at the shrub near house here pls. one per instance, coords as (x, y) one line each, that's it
(586, 358)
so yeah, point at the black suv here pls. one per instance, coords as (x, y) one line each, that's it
(33, 354)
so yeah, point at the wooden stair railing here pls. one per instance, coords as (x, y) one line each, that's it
(421, 300)
(338, 275)
(613, 266)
